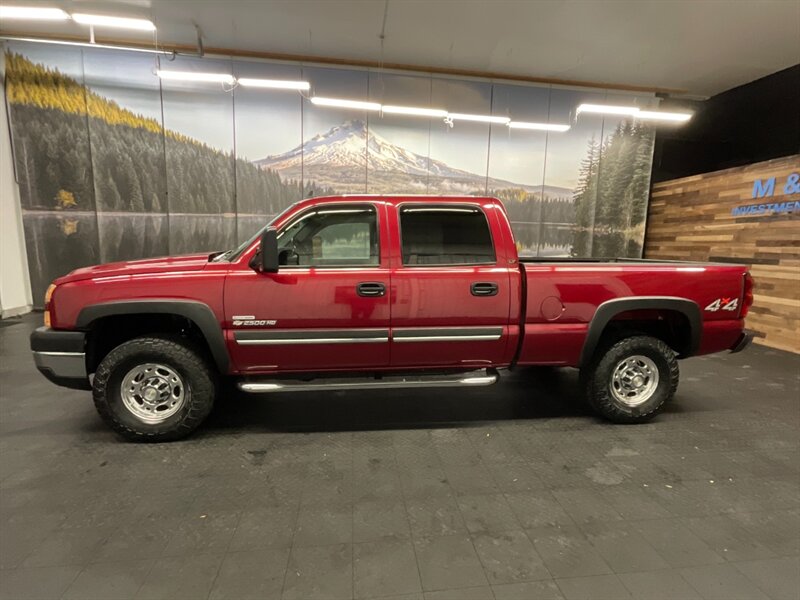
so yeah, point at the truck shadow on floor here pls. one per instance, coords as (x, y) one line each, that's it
(523, 394)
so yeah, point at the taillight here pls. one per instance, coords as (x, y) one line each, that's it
(747, 300)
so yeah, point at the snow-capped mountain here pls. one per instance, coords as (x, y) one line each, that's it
(338, 158)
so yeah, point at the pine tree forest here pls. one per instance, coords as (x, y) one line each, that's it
(611, 197)
(110, 159)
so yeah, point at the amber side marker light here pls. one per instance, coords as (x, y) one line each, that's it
(47, 296)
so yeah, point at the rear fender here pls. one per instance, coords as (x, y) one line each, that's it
(608, 310)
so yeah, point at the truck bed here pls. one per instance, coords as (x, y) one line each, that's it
(563, 296)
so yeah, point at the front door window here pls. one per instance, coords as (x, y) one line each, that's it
(331, 237)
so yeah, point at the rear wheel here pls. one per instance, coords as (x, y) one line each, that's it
(632, 380)
(154, 389)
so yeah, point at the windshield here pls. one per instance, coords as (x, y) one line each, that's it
(233, 254)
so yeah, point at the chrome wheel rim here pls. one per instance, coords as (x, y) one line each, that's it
(634, 380)
(153, 392)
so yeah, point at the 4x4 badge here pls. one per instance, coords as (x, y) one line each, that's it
(723, 304)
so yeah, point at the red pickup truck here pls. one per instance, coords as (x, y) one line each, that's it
(370, 292)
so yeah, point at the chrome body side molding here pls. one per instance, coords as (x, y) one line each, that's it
(447, 334)
(271, 337)
(311, 336)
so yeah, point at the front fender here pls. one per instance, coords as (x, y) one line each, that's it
(197, 312)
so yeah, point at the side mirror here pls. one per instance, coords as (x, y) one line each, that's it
(268, 251)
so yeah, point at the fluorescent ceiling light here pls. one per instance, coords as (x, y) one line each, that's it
(33, 12)
(117, 22)
(343, 103)
(413, 110)
(538, 126)
(479, 118)
(83, 44)
(277, 84)
(607, 109)
(656, 115)
(635, 112)
(192, 76)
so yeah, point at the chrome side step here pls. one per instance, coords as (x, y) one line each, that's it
(471, 379)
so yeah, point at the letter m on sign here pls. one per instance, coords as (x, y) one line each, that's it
(763, 188)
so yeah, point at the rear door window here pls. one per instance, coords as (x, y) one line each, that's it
(445, 236)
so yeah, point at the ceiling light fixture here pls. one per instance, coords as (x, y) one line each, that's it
(416, 111)
(33, 12)
(539, 126)
(607, 109)
(478, 118)
(192, 76)
(657, 115)
(116, 22)
(278, 84)
(343, 103)
(634, 111)
(15, 38)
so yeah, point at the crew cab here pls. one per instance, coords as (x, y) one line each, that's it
(370, 292)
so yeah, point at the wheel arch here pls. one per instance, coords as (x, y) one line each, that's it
(607, 311)
(197, 313)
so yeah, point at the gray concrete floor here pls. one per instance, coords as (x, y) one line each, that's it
(507, 492)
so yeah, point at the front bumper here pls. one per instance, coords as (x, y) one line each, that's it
(743, 342)
(61, 357)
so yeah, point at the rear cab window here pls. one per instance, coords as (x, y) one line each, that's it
(445, 236)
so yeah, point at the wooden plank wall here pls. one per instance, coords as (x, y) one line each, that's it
(691, 219)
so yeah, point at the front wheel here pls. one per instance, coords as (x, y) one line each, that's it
(154, 389)
(633, 380)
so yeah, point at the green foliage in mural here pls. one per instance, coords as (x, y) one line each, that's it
(67, 138)
(532, 207)
(612, 192)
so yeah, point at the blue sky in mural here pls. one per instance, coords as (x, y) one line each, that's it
(409, 132)
(273, 122)
(270, 123)
(465, 145)
(65, 59)
(128, 79)
(518, 155)
(335, 150)
(267, 121)
(565, 151)
(203, 111)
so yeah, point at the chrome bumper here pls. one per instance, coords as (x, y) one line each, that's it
(64, 364)
(60, 356)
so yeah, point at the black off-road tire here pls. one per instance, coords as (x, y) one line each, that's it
(192, 366)
(597, 378)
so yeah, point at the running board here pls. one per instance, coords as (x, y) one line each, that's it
(471, 379)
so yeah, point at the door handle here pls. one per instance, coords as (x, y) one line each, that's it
(371, 289)
(484, 288)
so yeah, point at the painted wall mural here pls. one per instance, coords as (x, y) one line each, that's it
(114, 163)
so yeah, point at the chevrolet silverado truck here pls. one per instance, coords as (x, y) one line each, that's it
(371, 292)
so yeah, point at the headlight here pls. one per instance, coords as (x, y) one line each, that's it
(47, 296)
